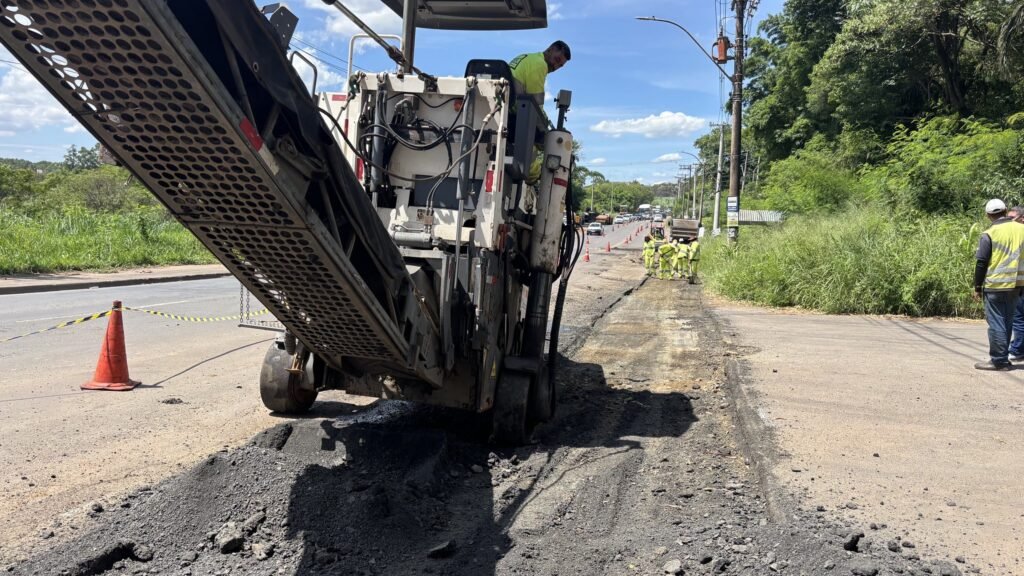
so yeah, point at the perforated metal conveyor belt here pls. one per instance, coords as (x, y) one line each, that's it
(130, 74)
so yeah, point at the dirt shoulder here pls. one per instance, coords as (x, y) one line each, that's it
(884, 422)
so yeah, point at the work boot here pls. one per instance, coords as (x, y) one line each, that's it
(990, 365)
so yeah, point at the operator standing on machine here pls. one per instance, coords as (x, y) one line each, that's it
(530, 72)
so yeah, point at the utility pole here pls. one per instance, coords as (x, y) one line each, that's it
(679, 192)
(700, 208)
(693, 200)
(716, 229)
(733, 206)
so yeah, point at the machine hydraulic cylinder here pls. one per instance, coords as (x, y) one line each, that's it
(547, 226)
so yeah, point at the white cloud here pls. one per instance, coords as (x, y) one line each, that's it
(74, 128)
(26, 105)
(554, 11)
(373, 13)
(7, 133)
(670, 157)
(664, 125)
(597, 161)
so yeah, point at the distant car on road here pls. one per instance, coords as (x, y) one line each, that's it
(595, 228)
(619, 220)
(659, 218)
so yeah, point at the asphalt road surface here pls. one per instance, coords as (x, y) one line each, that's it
(63, 449)
(661, 460)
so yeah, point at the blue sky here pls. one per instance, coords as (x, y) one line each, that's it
(642, 91)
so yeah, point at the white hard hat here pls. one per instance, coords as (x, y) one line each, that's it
(995, 206)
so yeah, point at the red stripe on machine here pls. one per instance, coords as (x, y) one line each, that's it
(251, 134)
(339, 97)
(561, 182)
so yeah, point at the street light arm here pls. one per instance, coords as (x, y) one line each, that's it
(700, 161)
(710, 57)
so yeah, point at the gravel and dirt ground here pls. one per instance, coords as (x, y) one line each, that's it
(650, 467)
(886, 421)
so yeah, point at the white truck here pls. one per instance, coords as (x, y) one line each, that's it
(388, 227)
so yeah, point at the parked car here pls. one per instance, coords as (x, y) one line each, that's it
(595, 228)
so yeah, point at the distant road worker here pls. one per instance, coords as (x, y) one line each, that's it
(680, 262)
(649, 248)
(530, 72)
(694, 256)
(1016, 350)
(666, 252)
(998, 280)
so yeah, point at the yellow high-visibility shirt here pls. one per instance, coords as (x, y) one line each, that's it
(1006, 268)
(531, 73)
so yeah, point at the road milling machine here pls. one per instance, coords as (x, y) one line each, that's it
(389, 227)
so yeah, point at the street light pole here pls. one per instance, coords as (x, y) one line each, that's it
(716, 229)
(733, 204)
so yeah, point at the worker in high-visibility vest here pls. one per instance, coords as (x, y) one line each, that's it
(999, 280)
(694, 258)
(649, 249)
(666, 253)
(530, 73)
(681, 261)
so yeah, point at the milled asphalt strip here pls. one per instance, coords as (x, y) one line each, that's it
(757, 440)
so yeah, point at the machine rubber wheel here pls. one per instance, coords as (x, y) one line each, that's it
(542, 397)
(510, 424)
(281, 390)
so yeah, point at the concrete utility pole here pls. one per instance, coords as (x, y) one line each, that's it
(679, 192)
(733, 205)
(693, 200)
(716, 228)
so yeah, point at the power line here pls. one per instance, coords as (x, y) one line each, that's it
(326, 54)
(13, 63)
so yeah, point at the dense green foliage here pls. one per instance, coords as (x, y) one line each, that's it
(881, 128)
(856, 262)
(85, 216)
(78, 239)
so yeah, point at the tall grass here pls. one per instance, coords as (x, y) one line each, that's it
(79, 239)
(863, 261)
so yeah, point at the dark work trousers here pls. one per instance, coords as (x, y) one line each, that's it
(1017, 343)
(999, 310)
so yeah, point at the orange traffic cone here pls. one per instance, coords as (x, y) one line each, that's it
(586, 255)
(608, 248)
(112, 368)
(588, 239)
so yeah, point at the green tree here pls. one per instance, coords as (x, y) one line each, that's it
(77, 158)
(779, 69)
(16, 184)
(1011, 33)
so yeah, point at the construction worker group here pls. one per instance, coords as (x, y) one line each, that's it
(672, 258)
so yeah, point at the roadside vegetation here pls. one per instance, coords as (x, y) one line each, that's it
(79, 215)
(881, 159)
